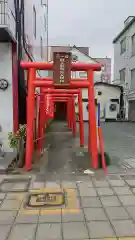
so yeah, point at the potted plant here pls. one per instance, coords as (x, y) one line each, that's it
(17, 141)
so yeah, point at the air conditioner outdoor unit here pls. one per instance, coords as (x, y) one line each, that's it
(111, 111)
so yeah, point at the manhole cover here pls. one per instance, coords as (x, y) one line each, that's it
(46, 199)
(15, 185)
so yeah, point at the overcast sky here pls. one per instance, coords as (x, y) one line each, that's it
(92, 23)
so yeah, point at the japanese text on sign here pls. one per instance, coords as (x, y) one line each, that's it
(62, 70)
(62, 67)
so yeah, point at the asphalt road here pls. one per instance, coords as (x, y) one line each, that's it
(119, 140)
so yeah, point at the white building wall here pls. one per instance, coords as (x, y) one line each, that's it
(125, 60)
(7, 16)
(11, 17)
(6, 98)
(108, 93)
(41, 28)
(82, 58)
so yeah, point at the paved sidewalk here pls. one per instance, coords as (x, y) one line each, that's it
(92, 209)
(61, 203)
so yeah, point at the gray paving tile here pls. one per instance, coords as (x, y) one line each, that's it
(83, 178)
(52, 184)
(23, 231)
(4, 231)
(110, 201)
(90, 202)
(105, 191)
(12, 196)
(131, 211)
(116, 213)
(124, 228)
(5, 186)
(127, 200)
(50, 216)
(2, 196)
(122, 190)
(7, 217)
(87, 184)
(14, 185)
(131, 182)
(10, 205)
(102, 183)
(36, 185)
(73, 217)
(117, 183)
(100, 229)
(75, 230)
(67, 184)
(133, 190)
(26, 218)
(72, 203)
(95, 214)
(20, 186)
(49, 231)
(113, 177)
(88, 192)
(2, 177)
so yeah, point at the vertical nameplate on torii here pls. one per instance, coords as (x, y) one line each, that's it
(62, 67)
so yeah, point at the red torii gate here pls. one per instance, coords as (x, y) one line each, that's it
(59, 93)
(33, 82)
(71, 116)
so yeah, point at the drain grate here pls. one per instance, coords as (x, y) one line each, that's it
(48, 199)
(15, 185)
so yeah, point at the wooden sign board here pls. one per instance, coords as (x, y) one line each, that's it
(62, 67)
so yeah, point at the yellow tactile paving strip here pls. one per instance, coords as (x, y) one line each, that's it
(71, 203)
(127, 238)
(121, 238)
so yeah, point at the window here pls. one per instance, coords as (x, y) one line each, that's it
(123, 45)
(44, 2)
(122, 75)
(41, 47)
(133, 44)
(45, 23)
(34, 22)
(83, 74)
(73, 74)
(132, 79)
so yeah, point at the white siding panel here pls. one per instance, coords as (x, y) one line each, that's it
(6, 98)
